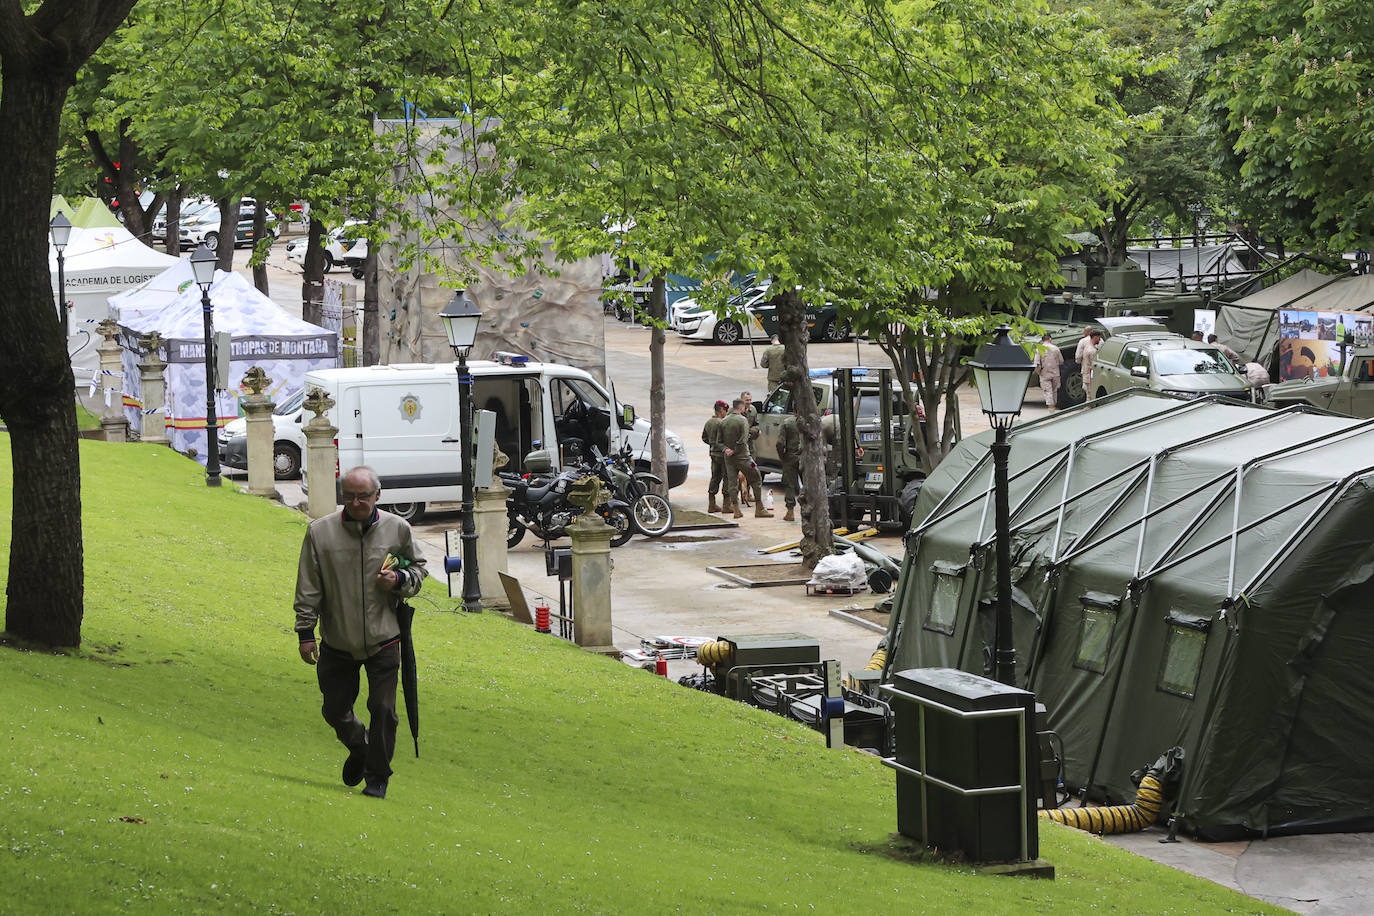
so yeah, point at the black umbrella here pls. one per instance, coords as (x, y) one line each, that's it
(405, 615)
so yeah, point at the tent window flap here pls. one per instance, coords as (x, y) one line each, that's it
(1095, 638)
(1184, 642)
(944, 600)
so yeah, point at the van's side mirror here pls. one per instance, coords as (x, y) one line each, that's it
(1140, 371)
(627, 416)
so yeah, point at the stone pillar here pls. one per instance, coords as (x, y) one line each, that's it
(490, 515)
(321, 456)
(261, 435)
(112, 421)
(153, 387)
(591, 583)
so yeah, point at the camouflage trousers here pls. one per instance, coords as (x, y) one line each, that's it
(741, 464)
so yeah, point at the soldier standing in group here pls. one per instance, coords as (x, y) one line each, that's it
(734, 436)
(751, 413)
(710, 434)
(1088, 356)
(789, 456)
(771, 359)
(1082, 342)
(1048, 359)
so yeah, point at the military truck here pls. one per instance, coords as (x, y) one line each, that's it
(1107, 297)
(1350, 393)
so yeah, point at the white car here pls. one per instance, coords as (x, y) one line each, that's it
(338, 249)
(288, 439)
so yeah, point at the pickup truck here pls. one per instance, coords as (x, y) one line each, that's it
(1350, 393)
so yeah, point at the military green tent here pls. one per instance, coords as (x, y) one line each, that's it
(1195, 573)
(1250, 325)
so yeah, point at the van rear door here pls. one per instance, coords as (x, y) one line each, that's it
(410, 436)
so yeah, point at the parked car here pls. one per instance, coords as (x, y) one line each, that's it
(753, 315)
(1172, 364)
(288, 440)
(199, 222)
(339, 249)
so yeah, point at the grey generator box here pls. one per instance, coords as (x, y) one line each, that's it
(769, 653)
(964, 748)
(1123, 282)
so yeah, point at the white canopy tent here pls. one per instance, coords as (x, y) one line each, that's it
(263, 334)
(99, 261)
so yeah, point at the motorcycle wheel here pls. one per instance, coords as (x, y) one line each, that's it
(622, 522)
(652, 515)
(515, 531)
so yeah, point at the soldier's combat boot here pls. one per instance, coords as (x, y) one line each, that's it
(791, 516)
(713, 507)
(760, 511)
(735, 509)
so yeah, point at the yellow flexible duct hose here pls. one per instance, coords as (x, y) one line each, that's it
(1149, 800)
(716, 652)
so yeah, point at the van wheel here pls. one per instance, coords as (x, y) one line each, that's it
(408, 511)
(286, 461)
(357, 273)
(1071, 390)
(328, 262)
(837, 331)
(727, 331)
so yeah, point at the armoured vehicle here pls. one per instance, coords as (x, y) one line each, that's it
(1350, 393)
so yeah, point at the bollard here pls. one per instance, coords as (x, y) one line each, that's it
(661, 666)
(541, 618)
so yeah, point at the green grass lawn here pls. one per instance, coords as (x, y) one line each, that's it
(177, 763)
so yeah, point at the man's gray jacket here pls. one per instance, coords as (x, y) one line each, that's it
(337, 585)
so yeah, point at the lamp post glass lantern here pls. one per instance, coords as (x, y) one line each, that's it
(61, 231)
(1002, 373)
(461, 317)
(203, 268)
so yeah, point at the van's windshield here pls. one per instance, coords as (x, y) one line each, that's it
(1190, 362)
(292, 404)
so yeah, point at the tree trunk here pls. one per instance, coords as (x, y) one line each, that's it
(37, 390)
(259, 233)
(173, 239)
(228, 227)
(312, 276)
(367, 331)
(658, 400)
(814, 500)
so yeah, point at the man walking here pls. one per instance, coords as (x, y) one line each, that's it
(734, 437)
(355, 567)
(771, 359)
(789, 456)
(710, 434)
(1048, 359)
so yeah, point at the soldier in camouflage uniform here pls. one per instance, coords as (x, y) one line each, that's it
(771, 359)
(789, 456)
(734, 436)
(710, 434)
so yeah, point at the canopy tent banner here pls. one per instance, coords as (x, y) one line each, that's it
(1185, 573)
(262, 334)
(1250, 325)
(98, 262)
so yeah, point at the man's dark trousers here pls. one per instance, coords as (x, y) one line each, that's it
(338, 675)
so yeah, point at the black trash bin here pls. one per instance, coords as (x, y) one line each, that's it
(965, 761)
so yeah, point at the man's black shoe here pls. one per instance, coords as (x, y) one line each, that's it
(353, 767)
(376, 788)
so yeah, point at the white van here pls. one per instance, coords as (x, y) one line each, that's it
(402, 420)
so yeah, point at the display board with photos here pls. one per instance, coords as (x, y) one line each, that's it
(1316, 344)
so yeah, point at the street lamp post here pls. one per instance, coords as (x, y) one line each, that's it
(1002, 372)
(61, 229)
(203, 267)
(461, 317)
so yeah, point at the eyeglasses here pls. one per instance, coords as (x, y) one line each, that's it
(357, 497)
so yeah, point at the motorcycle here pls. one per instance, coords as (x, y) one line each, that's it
(651, 513)
(541, 505)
